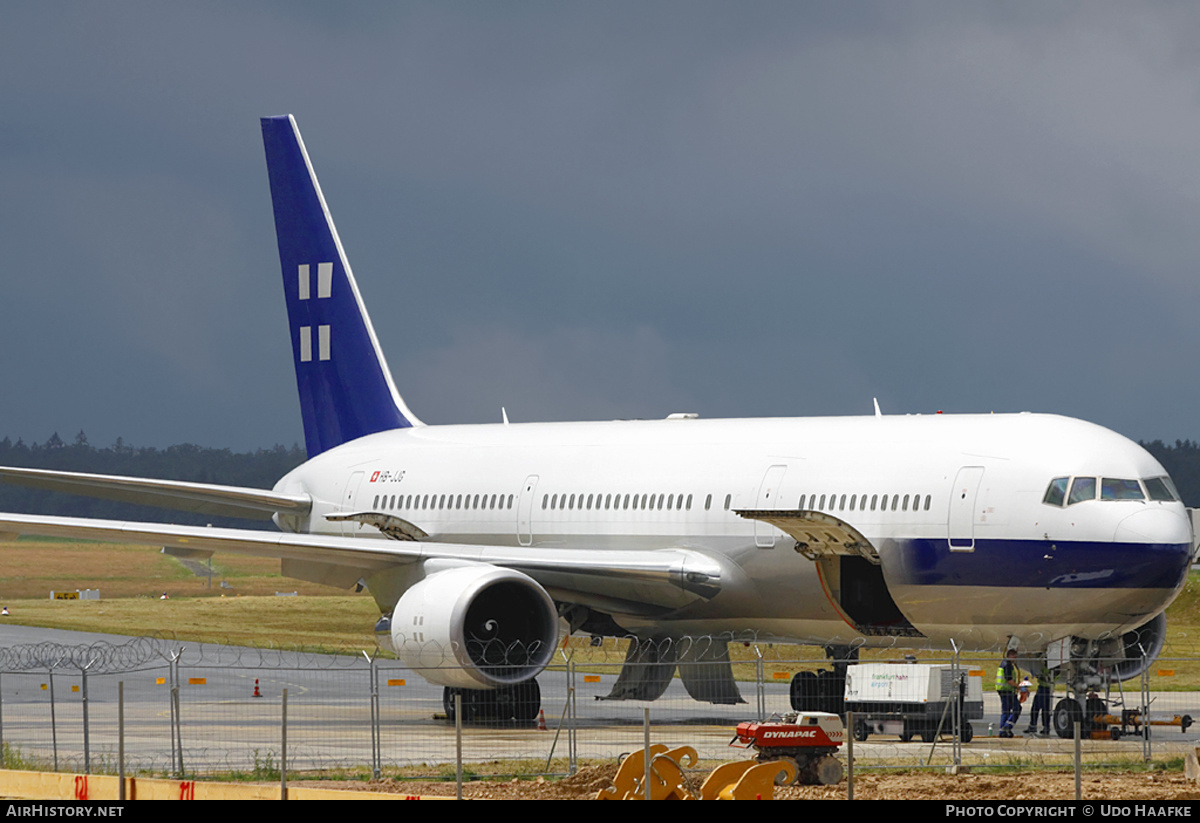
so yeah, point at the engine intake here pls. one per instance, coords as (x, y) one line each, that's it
(1139, 648)
(475, 626)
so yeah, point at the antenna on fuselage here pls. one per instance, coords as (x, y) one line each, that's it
(878, 413)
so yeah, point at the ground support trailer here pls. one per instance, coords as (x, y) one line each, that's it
(912, 699)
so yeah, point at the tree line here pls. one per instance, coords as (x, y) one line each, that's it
(256, 469)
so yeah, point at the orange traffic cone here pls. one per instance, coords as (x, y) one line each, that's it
(257, 693)
(541, 720)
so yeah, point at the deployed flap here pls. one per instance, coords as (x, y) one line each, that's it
(204, 498)
(706, 672)
(649, 667)
(327, 574)
(817, 534)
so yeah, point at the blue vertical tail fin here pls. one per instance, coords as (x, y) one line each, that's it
(346, 390)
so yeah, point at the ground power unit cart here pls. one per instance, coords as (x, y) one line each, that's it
(912, 699)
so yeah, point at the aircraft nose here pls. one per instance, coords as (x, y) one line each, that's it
(1158, 526)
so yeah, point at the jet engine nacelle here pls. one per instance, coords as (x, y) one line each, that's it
(1139, 648)
(475, 627)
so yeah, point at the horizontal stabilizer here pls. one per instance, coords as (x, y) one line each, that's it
(202, 498)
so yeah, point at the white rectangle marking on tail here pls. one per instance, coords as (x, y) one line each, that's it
(324, 279)
(323, 342)
(304, 282)
(305, 344)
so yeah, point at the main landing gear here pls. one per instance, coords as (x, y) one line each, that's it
(518, 704)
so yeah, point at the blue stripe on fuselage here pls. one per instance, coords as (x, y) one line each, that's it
(1046, 564)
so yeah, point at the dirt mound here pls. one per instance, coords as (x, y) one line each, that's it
(911, 786)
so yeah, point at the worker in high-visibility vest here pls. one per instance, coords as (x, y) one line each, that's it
(1008, 678)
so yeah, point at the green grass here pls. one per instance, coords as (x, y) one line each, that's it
(131, 578)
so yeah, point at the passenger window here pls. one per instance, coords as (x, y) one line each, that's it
(1118, 489)
(1082, 488)
(874, 500)
(728, 500)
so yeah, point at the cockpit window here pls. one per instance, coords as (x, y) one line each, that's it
(1160, 488)
(1056, 492)
(1112, 488)
(1084, 488)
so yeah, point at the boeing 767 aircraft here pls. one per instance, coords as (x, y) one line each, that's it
(478, 542)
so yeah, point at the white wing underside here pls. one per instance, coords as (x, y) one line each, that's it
(648, 582)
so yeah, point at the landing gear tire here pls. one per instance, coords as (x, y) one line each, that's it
(968, 733)
(1066, 712)
(470, 703)
(803, 692)
(520, 703)
(509, 704)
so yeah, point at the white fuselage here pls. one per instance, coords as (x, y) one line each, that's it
(952, 504)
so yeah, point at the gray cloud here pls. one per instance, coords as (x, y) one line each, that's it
(606, 211)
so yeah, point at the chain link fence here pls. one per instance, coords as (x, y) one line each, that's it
(209, 710)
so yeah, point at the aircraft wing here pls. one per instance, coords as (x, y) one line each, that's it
(203, 498)
(646, 581)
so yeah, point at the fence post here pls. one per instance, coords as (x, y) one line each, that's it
(646, 751)
(376, 731)
(458, 709)
(121, 740)
(1079, 764)
(283, 793)
(760, 683)
(87, 748)
(176, 725)
(1146, 747)
(572, 736)
(53, 721)
(849, 755)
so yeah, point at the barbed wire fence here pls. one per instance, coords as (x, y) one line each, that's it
(212, 709)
